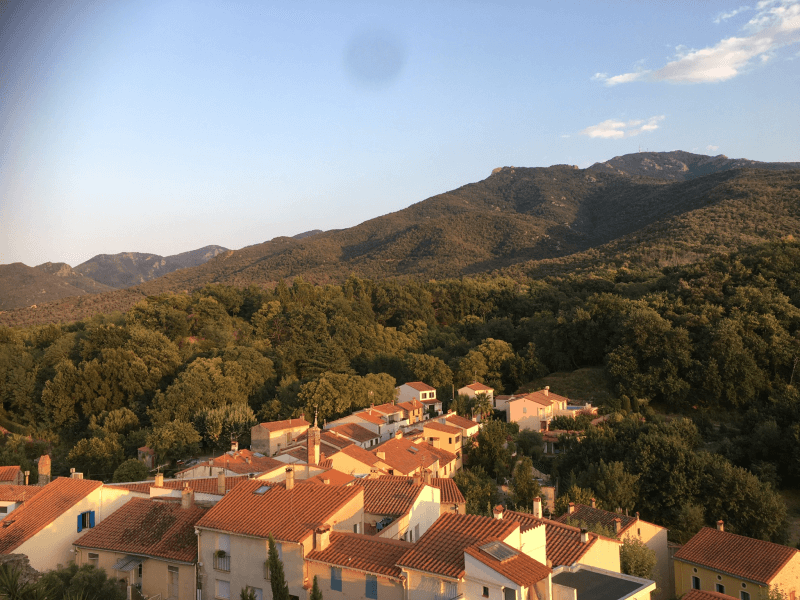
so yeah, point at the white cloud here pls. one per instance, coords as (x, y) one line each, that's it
(566, 135)
(712, 148)
(775, 25)
(729, 15)
(612, 129)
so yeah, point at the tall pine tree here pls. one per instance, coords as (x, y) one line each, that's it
(277, 579)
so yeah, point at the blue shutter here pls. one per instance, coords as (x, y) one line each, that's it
(372, 587)
(91, 518)
(336, 579)
(80, 523)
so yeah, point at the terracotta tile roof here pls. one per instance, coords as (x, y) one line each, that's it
(10, 473)
(366, 553)
(441, 549)
(361, 455)
(478, 387)
(545, 399)
(333, 476)
(389, 496)
(430, 401)
(703, 595)
(387, 409)
(562, 542)
(202, 485)
(405, 456)
(326, 437)
(419, 386)
(238, 462)
(18, 493)
(450, 492)
(445, 456)
(741, 556)
(411, 406)
(597, 516)
(290, 515)
(354, 432)
(443, 428)
(462, 422)
(159, 529)
(275, 426)
(369, 417)
(326, 464)
(520, 568)
(56, 498)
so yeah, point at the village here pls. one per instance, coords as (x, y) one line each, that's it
(366, 506)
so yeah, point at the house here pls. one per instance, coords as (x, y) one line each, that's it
(413, 411)
(15, 496)
(452, 500)
(233, 535)
(416, 390)
(150, 544)
(269, 438)
(46, 526)
(468, 427)
(147, 456)
(404, 457)
(470, 556)
(399, 507)
(582, 581)
(233, 462)
(624, 526)
(446, 437)
(715, 560)
(477, 389)
(12, 475)
(357, 434)
(205, 489)
(367, 418)
(354, 460)
(349, 565)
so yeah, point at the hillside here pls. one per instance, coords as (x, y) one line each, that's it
(24, 286)
(525, 220)
(127, 269)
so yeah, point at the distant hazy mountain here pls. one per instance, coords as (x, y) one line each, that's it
(21, 285)
(519, 220)
(132, 268)
(306, 234)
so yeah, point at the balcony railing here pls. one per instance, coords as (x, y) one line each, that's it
(222, 563)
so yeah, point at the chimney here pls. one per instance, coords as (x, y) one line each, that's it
(234, 446)
(498, 512)
(44, 469)
(289, 478)
(326, 481)
(594, 503)
(449, 411)
(247, 459)
(313, 444)
(159, 480)
(426, 476)
(322, 537)
(27, 474)
(416, 479)
(617, 525)
(221, 483)
(571, 507)
(547, 390)
(398, 434)
(549, 564)
(74, 475)
(537, 507)
(720, 525)
(381, 455)
(584, 536)
(187, 498)
(637, 515)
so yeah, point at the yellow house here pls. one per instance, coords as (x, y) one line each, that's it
(717, 561)
(148, 543)
(269, 438)
(446, 437)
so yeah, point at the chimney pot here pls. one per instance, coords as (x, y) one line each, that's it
(571, 507)
(637, 515)
(547, 390)
(720, 525)
(584, 536)
(498, 512)
(289, 478)
(594, 503)
(187, 498)
(159, 482)
(326, 481)
(221, 483)
(537, 507)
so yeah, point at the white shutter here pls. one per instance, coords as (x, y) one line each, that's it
(224, 542)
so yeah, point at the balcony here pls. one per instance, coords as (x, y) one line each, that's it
(222, 561)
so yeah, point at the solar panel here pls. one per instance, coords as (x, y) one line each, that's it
(263, 489)
(499, 551)
(413, 450)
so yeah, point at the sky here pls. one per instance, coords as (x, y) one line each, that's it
(166, 126)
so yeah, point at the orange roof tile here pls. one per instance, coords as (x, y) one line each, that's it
(703, 595)
(242, 461)
(289, 515)
(389, 495)
(10, 473)
(361, 455)
(365, 553)
(443, 428)
(333, 476)
(450, 492)
(413, 405)
(419, 386)
(520, 568)
(545, 399)
(18, 493)
(387, 409)
(597, 516)
(459, 421)
(56, 498)
(159, 529)
(202, 485)
(354, 432)
(441, 549)
(369, 417)
(741, 556)
(406, 457)
(479, 387)
(274, 426)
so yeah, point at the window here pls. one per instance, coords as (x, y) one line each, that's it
(744, 595)
(449, 440)
(336, 579)
(485, 592)
(172, 582)
(355, 528)
(509, 594)
(720, 588)
(458, 438)
(94, 559)
(524, 410)
(257, 592)
(85, 520)
(371, 590)
(695, 583)
(223, 589)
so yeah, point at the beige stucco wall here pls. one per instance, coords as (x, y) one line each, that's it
(533, 543)
(789, 577)
(419, 587)
(655, 538)
(477, 575)
(531, 419)
(51, 546)
(346, 464)
(418, 520)
(733, 585)
(604, 553)
(354, 584)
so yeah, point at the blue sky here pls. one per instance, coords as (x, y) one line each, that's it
(166, 126)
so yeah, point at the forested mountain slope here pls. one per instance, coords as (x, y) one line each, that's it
(24, 286)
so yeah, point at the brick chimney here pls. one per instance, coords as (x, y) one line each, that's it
(498, 512)
(547, 390)
(27, 475)
(322, 537)
(159, 482)
(221, 483)
(416, 479)
(187, 498)
(289, 478)
(537, 507)
(426, 476)
(584, 536)
(594, 503)
(617, 525)
(571, 507)
(720, 525)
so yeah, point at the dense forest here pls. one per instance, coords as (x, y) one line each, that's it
(717, 341)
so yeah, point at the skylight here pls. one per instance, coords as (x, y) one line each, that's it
(499, 551)
(263, 489)
(413, 450)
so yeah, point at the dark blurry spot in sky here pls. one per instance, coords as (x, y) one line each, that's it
(374, 58)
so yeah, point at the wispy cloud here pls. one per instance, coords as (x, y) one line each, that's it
(729, 15)
(613, 129)
(712, 148)
(775, 25)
